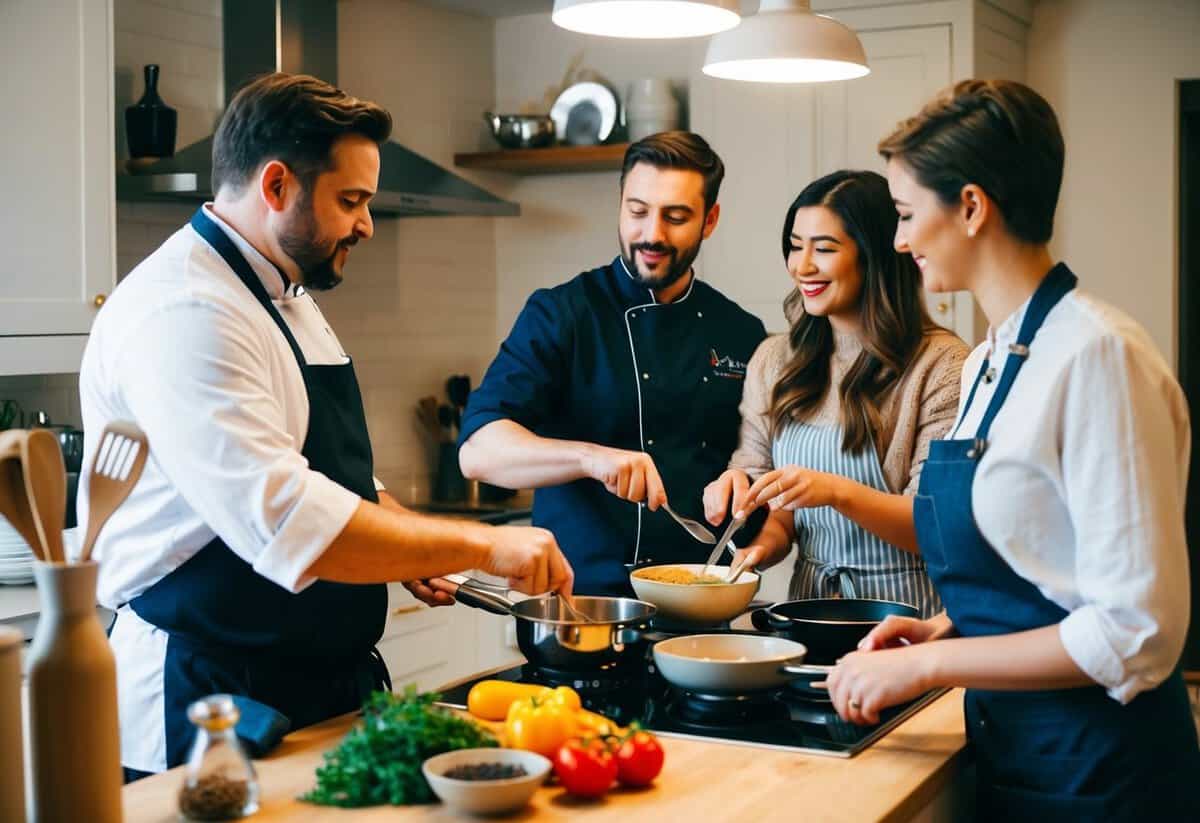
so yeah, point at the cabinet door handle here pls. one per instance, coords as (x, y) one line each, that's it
(99, 299)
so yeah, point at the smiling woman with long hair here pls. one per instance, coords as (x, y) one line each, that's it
(838, 413)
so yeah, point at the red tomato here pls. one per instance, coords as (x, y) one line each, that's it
(587, 769)
(639, 760)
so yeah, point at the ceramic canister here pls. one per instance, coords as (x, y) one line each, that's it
(650, 107)
(73, 729)
(12, 775)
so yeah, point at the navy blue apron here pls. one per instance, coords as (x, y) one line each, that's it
(311, 655)
(1074, 754)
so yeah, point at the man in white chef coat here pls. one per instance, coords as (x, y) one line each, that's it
(251, 556)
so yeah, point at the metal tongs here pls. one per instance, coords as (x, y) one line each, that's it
(739, 520)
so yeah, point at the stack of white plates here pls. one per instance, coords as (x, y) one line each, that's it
(16, 558)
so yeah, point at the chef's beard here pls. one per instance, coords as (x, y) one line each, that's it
(301, 241)
(677, 264)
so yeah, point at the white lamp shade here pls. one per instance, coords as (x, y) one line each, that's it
(786, 43)
(647, 19)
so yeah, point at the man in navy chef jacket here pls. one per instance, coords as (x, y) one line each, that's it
(620, 388)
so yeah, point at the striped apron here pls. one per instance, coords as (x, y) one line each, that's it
(837, 557)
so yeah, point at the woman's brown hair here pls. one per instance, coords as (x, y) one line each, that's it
(892, 312)
(1000, 135)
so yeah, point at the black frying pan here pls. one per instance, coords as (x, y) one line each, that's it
(829, 627)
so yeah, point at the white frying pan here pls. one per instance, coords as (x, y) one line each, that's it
(732, 663)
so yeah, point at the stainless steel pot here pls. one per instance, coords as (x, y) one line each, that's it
(521, 131)
(614, 632)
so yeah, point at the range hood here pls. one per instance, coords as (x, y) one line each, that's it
(300, 36)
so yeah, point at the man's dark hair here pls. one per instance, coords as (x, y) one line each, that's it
(678, 150)
(293, 118)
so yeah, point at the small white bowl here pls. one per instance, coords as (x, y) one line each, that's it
(700, 603)
(486, 796)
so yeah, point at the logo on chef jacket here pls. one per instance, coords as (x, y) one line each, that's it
(729, 367)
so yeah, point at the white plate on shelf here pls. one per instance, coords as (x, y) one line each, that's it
(584, 114)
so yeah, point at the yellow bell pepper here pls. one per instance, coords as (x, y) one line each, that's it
(490, 699)
(539, 725)
(590, 724)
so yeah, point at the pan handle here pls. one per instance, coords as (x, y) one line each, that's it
(760, 620)
(481, 595)
(804, 668)
(767, 621)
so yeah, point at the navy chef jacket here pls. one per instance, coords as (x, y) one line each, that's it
(598, 360)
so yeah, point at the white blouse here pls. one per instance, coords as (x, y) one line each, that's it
(1081, 488)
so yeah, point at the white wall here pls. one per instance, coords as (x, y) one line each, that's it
(418, 302)
(568, 222)
(1110, 69)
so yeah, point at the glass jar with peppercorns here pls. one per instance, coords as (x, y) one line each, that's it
(219, 782)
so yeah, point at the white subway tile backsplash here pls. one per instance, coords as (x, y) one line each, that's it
(167, 23)
(211, 8)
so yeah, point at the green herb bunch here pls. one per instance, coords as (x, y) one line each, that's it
(379, 761)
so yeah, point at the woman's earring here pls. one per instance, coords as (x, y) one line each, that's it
(971, 232)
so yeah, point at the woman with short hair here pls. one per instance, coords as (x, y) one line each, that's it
(1051, 519)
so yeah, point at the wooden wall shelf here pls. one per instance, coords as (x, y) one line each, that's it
(553, 160)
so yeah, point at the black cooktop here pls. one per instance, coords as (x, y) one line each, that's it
(786, 718)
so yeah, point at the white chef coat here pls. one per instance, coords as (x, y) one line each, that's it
(185, 351)
(1081, 488)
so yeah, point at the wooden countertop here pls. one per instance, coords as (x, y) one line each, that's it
(890, 781)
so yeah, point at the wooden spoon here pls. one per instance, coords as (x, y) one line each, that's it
(13, 504)
(46, 489)
(116, 468)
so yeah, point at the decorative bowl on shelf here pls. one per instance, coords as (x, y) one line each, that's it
(521, 131)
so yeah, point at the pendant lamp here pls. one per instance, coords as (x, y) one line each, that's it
(786, 43)
(647, 19)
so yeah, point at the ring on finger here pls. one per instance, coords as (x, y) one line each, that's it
(854, 704)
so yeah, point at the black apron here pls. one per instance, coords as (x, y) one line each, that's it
(311, 655)
(1058, 754)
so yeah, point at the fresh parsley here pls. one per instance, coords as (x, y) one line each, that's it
(379, 761)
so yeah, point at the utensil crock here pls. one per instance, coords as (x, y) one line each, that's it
(75, 744)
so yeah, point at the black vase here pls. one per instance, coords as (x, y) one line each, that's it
(150, 123)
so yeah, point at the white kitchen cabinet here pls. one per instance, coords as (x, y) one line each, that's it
(435, 646)
(56, 164)
(777, 139)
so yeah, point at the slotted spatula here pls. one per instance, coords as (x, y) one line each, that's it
(13, 503)
(115, 470)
